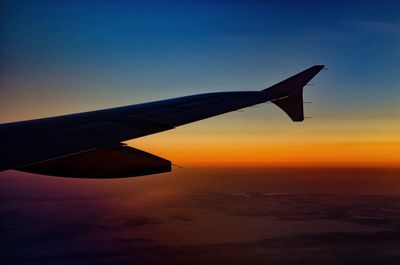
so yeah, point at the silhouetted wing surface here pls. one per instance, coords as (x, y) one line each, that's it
(24, 143)
(29, 142)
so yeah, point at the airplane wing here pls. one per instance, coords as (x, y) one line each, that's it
(89, 144)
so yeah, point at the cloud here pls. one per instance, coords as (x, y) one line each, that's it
(136, 221)
(370, 210)
(86, 238)
(182, 217)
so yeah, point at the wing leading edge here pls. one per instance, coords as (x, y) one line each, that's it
(27, 143)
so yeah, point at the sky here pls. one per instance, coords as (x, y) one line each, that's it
(60, 57)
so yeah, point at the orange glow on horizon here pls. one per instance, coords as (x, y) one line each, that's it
(367, 146)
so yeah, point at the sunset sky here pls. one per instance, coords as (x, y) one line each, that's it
(60, 57)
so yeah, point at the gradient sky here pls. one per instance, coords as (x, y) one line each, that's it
(61, 57)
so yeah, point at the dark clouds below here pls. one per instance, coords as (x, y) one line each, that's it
(147, 221)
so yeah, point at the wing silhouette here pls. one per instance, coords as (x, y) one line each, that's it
(89, 145)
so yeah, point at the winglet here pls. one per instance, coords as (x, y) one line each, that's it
(291, 91)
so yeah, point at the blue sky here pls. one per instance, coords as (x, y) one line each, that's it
(66, 56)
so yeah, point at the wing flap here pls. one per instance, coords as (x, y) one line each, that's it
(116, 162)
